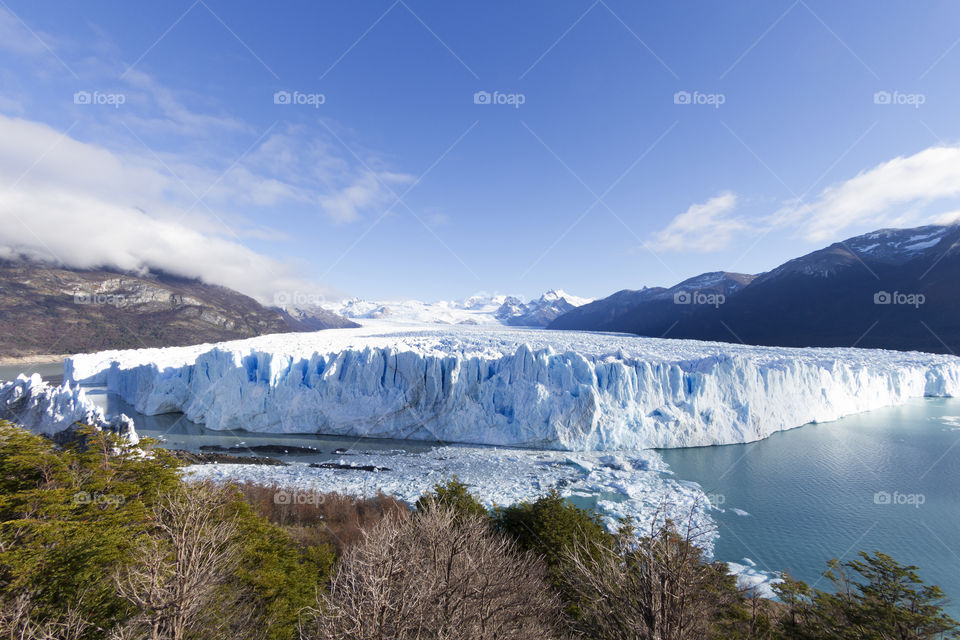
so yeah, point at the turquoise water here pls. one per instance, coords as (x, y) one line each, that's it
(820, 491)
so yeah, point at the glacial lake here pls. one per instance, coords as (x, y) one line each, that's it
(887, 480)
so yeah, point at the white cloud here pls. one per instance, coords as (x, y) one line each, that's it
(950, 217)
(307, 169)
(704, 227)
(84, 206)
(17, 38)
(168, 112)
(366, 191)
(892, 193)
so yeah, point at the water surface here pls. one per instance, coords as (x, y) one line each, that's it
(887, 480)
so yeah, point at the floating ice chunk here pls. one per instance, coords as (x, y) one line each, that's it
(749, 577)
(496, 477)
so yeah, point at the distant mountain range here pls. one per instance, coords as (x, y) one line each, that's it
(51, 309)
(892, 288)
(475, 310)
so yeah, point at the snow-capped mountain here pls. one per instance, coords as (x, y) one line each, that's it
(539, 312)
(891, 288)
(894, 247)
(479, 309)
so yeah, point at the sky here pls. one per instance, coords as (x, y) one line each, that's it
(311, 150)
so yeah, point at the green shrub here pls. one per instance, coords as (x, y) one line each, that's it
(455, 496)
(881, 599)
(71, 518)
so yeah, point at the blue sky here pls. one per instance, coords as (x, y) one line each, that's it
(807, 122)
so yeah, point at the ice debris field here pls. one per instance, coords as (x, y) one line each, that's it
(501, 386)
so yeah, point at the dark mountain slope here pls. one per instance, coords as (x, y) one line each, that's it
(51, 309)
(893, 289)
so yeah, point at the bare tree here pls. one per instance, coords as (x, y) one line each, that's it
(654, 588)
(17, 622)
(437, 576)
(191, 552)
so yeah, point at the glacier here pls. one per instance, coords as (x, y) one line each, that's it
(502, 386)
(52, 411)
(479, 309)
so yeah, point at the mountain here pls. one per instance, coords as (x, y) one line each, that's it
(476, 310)
(656, 309)
(314, 318)
(892, 288)
(540, 312)
(53, 309)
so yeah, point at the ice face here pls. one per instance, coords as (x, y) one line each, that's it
(50, 410)
(516, 387)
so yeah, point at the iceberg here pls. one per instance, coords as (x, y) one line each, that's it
(53, 410)
(500, 386)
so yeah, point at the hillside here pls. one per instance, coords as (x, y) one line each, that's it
(889, 289)
(50, 309)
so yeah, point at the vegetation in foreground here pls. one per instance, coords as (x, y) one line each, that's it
(98, 540)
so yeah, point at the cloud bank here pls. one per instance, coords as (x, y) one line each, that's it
(82, 205)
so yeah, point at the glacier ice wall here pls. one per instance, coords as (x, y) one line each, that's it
(497, 386)
(51, 410)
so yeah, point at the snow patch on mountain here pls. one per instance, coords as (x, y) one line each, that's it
(516, 387)
(896, 245)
